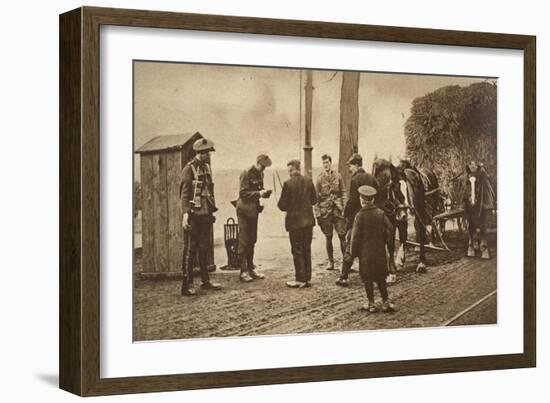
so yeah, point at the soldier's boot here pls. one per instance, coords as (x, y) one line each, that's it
(205, 277)
(388, 306)
(342, 239)
(255, 275)
(187, 288)
(251, 268)
(244, 277)
(346, 268)
(342, 282)
(330, 253)
(209, 285)
(369, 307)
(296, 284)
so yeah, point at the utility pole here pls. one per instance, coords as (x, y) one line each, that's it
(309, 105)
(349, 122)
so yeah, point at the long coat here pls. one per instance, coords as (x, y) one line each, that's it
(371, 233)
(297, 199)
(353, 205)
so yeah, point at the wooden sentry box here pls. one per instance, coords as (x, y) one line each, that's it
(161, 162)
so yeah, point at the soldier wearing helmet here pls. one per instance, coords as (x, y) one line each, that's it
(198, 207)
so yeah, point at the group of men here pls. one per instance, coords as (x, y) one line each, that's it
(362, 228)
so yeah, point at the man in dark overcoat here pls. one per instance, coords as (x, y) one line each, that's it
(198, 207)
(359, 177)
(251, 190)
(297, 199)
(370, 235)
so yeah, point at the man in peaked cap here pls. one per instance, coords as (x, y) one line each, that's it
(251, 190)
(366, 194)
(198, 206)
(359, 177)
(356, 160)
(370, 235)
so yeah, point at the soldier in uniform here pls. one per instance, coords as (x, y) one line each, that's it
(251, 190)
(297, 199)
(359, 177)
(371, 233)
(198, 207)
(329, 209)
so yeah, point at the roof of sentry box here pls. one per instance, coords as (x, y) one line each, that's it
(168, 142)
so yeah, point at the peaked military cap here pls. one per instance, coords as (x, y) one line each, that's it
(367, 191)
(355, 159)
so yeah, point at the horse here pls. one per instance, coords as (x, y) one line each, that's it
(479, 200)
(405, 191)
(433, 202)
(392, 201)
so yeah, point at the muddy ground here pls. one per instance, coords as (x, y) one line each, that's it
(266, 307)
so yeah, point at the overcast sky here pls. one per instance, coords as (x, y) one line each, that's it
(245, 110)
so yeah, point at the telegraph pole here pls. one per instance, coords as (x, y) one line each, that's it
(349, 122)
(307, 143)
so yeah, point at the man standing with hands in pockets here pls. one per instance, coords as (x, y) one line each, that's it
(297, 199)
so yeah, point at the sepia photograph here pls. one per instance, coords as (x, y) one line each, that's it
(277, 200)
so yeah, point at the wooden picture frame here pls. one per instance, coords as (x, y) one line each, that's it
(79, 347)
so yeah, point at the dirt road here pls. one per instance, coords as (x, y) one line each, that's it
(267, 307)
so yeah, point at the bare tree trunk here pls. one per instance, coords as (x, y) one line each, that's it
(349, 122)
